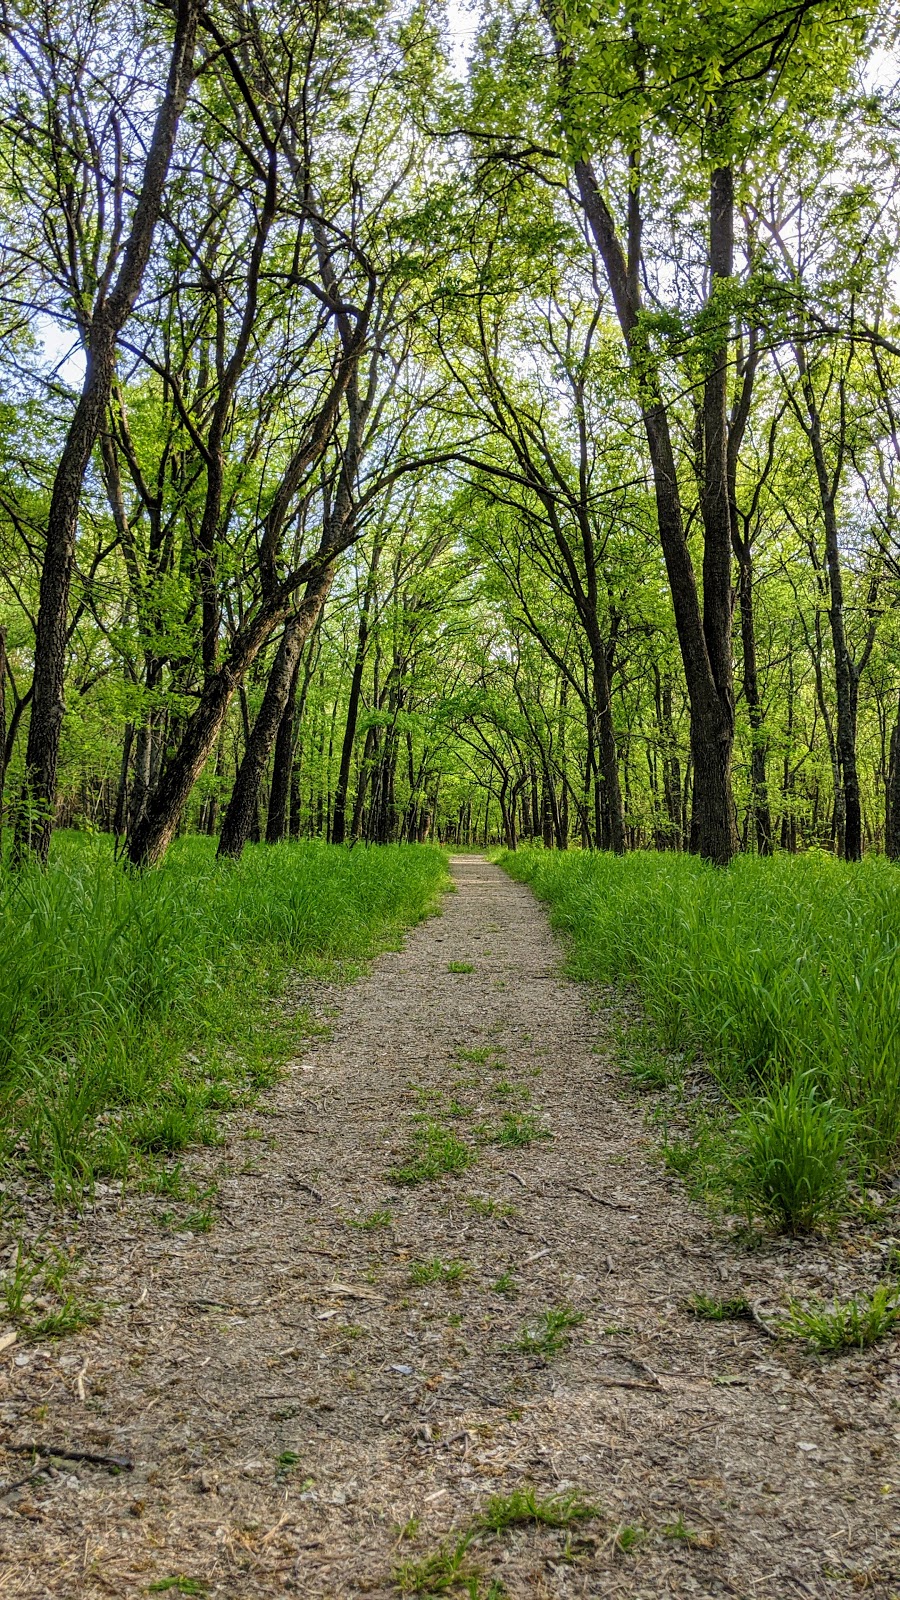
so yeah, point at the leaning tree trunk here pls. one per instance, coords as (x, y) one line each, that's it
(35, 820)
(239, 817)
(156, 829)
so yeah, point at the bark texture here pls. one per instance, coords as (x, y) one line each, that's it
(35, 820)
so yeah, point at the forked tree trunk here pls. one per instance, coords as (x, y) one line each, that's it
(238, 822)
(156, 830)
(35, 820)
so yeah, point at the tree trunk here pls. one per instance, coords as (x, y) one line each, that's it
(120, 817)
(157, 828)
(844, 675)
(339, 822)
(759, 785)
(892, 807)
(241, 811)
(279, 794)
(606, 742)
(706, 656)
(2, 723)
(35, 820)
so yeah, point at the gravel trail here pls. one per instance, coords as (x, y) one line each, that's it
(305, 1415)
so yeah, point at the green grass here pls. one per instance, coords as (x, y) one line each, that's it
(451, 1568)
(437, 1271)
(37, 1294)
(515, 1133)
(524, 1508)
(551, 1334)
(438, 1151)
(783, 975)
(375, 1219)
(178, 1585)
(853, 1324)
(712, 1310)
(133, 1007)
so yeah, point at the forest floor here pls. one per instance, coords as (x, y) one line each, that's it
(302, 1411)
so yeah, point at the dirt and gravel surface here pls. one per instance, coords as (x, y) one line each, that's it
(302, 1414)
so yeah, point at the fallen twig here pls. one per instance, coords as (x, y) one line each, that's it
(298, 1183)
(760, 1321)
(612, 1205)
(112, 1463)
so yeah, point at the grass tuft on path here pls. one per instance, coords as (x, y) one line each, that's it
(133, 1007)
(784, 974)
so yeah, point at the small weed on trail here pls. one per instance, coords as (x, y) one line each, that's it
(712, 1310)
(451, 1567)
(515, 1132)
(376, 1219)
(551, 1334)
(439, 1151)
(679, 1530)
(37, 1295)
(489, 1208)
(523, 1507)
(179, 1586)
(437, 1271)
(628, 1538)
(460, 966)
(446, 1568)
(849, 1325)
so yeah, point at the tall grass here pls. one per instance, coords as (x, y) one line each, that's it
(133, 1007)
(784, 973)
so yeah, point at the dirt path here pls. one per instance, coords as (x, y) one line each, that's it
(292, 1401)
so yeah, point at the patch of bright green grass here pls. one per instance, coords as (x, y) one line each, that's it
(515, 1133)
(783, 975)
(438, 1152)
(453, 1567)
(853, 1324)
(446, 1568)
(437, 1271)
(38, 1295)
(375, 1219)
(460, 966)
(712, 1310)
(134, 1006)
(524, 1507)
(551, 1334)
